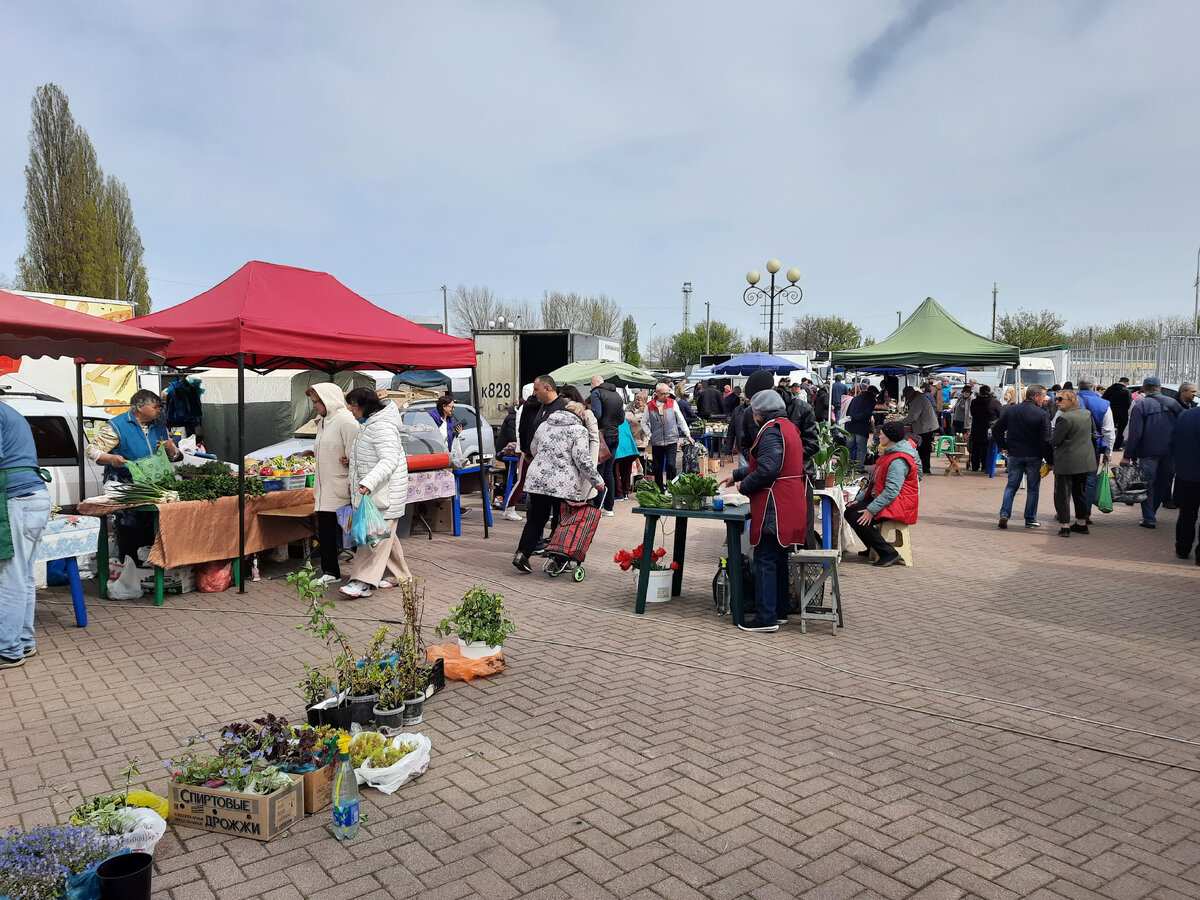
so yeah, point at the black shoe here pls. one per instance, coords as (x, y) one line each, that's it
(1087, 521)
(1147, 525)
(1080, 529)
(1179, 555)
(521, 561)
(864, 553)
(884, 561)
(8, 663)
(1003, 523)
(1064, 531)
(757, 624)
(1033, 524)
(1169, 504)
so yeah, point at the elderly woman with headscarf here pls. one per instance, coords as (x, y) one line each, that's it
(773, 479)
(336, 431)
(378, 469)
(563, 468)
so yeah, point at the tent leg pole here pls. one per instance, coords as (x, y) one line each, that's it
(483, 489)
(241, 414)
(79, 426)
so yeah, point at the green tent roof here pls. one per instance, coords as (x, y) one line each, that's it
(615, 373)
(930, 337)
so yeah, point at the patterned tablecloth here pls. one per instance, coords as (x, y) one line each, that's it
(430, 485)
(68, 536)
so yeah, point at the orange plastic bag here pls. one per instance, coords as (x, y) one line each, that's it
(213, 577)
(459, 668)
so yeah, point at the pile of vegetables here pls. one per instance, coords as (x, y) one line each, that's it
(693, 485)
(170, 490)
(278, 465)
(212, 467)
(380, 751)
(648, 495)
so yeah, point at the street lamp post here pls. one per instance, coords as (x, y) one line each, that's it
(650, 340)
(1196, 308)
(791, 293)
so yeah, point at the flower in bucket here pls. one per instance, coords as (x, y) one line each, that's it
(638, 557)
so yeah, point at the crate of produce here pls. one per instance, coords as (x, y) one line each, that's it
(272, 484)
(293, 482)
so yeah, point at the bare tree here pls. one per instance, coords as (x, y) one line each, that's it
(520, 314)
(594, 315)
(660, 351)
(473, 307)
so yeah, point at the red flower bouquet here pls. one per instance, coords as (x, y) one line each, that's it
(637, 558)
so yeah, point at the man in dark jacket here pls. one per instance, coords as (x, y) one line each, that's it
(985, 410)
(610, 413)
(1187, 481)
(1151, 445)
(820, 404)
(747, 428)
(709, 404)
(731, 400)
(1119, 400)
(861, 412)
(1023, 431)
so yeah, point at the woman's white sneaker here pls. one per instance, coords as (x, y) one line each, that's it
(327, 579)
(356, 588)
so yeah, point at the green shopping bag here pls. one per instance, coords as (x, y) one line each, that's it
(151, 469)
(1104, 490)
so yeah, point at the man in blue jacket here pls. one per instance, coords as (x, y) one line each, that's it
(1104, 431)
(1023, 430)
(1151, 445)
(1187, 480)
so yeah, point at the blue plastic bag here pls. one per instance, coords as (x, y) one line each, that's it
(369, 527)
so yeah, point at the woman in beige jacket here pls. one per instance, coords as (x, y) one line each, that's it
(336, 431)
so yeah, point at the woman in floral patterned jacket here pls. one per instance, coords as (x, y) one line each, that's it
(562, 469)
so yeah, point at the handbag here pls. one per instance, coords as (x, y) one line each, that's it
(1104, 500)
(605, 453)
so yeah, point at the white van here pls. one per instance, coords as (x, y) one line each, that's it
(1031, 370)
(55, 437)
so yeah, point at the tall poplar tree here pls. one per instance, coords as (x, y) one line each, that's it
(80, 237)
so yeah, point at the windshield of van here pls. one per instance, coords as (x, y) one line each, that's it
(1044, 377)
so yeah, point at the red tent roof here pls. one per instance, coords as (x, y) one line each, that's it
(283, 317)
(33, 328)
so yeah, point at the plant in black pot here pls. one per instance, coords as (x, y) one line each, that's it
(315, 687)
(389, 709)
(409, 678)
(480, 622)
(321, 625)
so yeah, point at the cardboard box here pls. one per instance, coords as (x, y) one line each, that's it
(439, 514)
(245, 815)
(318, 789)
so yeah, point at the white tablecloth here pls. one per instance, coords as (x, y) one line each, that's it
(67, 536)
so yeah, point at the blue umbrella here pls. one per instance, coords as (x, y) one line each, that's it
(753, 362)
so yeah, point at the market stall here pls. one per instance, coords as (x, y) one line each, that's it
(266, 317)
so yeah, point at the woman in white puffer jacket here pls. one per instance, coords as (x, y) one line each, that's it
(378, 467)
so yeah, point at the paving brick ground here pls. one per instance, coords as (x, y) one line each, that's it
(955, 740)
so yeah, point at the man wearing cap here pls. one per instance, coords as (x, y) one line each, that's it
(892, 493)
(774, 482)
(664, 424)
(861, 413)
(1150, 444)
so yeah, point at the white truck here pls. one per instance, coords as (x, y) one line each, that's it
(509, 359)
(1031, 370)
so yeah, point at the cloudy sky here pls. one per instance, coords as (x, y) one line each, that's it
(889, 149)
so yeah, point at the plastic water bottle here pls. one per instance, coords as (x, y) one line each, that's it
(345, 795)
(721, 588)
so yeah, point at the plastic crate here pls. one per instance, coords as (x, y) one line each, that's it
(434, 676)
(272, 484)
(293, 482)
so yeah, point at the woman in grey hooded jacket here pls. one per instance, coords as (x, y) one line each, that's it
(336, 431)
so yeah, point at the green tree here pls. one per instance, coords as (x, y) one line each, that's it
(1131, 330)
(687, 347)
(80, 237)
(1027, 329)
(629, 342)
(757, 344)
(820, 333)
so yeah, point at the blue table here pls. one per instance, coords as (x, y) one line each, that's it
(483, 487)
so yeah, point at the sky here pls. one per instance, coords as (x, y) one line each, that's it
(889, 149)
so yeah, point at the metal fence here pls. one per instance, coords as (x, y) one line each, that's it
(1173, 358)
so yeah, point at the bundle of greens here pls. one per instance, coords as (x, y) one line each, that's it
(140, 494)
(212, 467)
(211, 487)
(648, 495)
(692, 485)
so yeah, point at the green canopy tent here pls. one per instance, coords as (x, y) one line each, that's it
(618, 374)
(930, 338)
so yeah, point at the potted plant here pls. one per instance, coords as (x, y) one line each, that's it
(315, 688)
(409, 678)
(389, 709)
(659, 589)
(480, 623)
(321, 625)
(44, 861)
(832, 459)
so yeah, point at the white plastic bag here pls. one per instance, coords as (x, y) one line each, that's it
(458, 453)
(410, 766)
(143, 830)
(129, 585)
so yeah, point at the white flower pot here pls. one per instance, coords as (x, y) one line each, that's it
(477, 649)
(659, 588)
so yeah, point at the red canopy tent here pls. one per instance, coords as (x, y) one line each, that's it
(265, 317)
(280, 317)
(33, 328)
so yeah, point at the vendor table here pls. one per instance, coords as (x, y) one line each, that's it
(483, 489)
(69, 537)
(735, 519)
(198, 531)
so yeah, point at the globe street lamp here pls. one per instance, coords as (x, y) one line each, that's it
(790, 292)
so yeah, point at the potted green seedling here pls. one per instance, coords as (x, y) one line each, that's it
(480, 623)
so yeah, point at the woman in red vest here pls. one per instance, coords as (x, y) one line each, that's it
(774, 482)
(892, 493)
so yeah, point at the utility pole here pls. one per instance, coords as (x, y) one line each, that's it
(995, 290)
(1196, 308)
(687, 306)
(445, 313)
(707, 327)
(899, 318)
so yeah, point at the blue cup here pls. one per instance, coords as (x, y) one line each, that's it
(718, 504)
